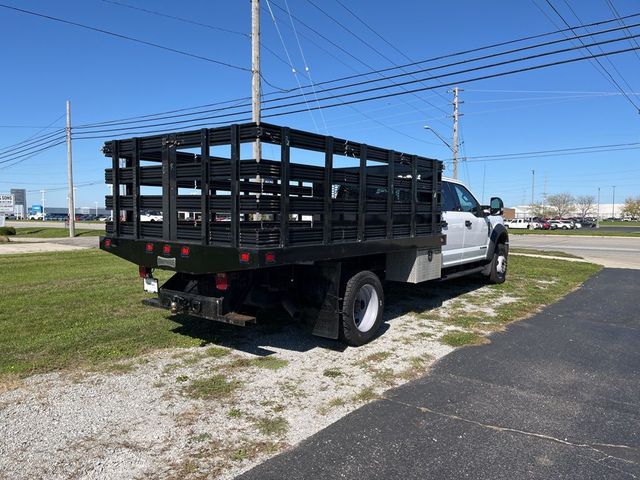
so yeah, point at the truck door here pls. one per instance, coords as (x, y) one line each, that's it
(453, 227)
(475, 225)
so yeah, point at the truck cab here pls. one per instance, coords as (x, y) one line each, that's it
(472, 230)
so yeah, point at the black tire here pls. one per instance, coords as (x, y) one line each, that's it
(565, 227)
(358, 326)
(498, 271)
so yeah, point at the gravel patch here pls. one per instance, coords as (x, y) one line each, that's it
(217, 410)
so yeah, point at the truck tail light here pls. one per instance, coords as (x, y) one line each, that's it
(270, 257)
(107, 243)
(244, 257)
(144, 271)
(185, 251)
(149, 248)
(222, 281)
(166, 249)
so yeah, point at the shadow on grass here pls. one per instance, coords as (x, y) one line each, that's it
(275, 329)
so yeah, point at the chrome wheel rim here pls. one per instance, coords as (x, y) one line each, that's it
(365, 308)
(501, 266)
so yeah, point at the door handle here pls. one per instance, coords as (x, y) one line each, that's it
(467, 223)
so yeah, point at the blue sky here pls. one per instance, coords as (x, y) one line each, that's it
(46, 63)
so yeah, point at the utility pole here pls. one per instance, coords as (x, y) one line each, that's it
(598, 215)
(96, 208)
(533, 185)
(72, 212)
(455, 132)
(255, 72)
(613, 203)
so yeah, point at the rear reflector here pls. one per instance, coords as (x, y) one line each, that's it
(222, 281)
(185, 251)
(107, 243)
(144, 271)
(149, 247)
(270, 257)
(166, 249)
(244, 257)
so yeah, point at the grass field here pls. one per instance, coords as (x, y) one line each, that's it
(46, 232)
(544, 253)
(619, 224)
(83, 309)
(579, 232)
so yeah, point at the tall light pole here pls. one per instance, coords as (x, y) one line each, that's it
(598, 215)
(255, 73)
(71, 205)
(533, 185)
(613, 203)
(42, 192)
(96, 208)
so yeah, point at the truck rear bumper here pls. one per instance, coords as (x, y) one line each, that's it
(201, 306)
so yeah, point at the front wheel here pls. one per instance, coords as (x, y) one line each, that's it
(362, 308)
(498, 269)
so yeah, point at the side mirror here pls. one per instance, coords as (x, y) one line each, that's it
(496, 206)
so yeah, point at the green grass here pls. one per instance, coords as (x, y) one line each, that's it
(459, 339)
(46, 232)
(272, 426)
(544, 253)
(332, 372)
(619, 224)
(270, 362)
(534, 282)
(77, 309)
(580, 232)
(212, 388)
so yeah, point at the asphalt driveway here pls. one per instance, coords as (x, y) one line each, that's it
(555, 396)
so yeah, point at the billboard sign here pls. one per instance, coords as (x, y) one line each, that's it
(6, 203)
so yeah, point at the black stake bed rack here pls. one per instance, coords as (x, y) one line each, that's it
(308, 198)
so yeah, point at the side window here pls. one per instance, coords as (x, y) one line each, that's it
(449, 203)
(466, 200)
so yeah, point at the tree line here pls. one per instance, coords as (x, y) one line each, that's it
(581, 206)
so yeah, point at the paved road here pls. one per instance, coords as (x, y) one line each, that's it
(555, 396)
(614, 252)
(33, 223)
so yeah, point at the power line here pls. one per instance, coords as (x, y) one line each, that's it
(366, 82)
(27, 156)
(306, 66)
(394, 94)
(30, 146)
(585, 149)
(34, 135)
(358, 75)
(126, 37)
(608, 74)
(293, 68)
(377, 34)
(615, 13)
(368, 45)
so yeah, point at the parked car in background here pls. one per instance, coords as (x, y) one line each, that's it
(151, 216)
(588, 224)
(561, 225)
(518, 223)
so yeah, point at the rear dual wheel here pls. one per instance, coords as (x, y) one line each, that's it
(362, 308)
